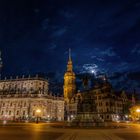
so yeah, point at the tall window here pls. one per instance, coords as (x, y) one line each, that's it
(17, 112)
(23, 112)
(106, 103)
(2, 113)
(9, 112)
(34, 113)
(107, 110)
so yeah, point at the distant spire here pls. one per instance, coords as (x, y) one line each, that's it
(1, 64)
(0, 61)
(69, 54)
(133, 100)
(69, 65)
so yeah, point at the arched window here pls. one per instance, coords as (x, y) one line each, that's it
(107, 104)
(107, 110)
(23, 112)
(10, 112)
(2, 112)
(33, 112)
(17, 112)
(107, 116)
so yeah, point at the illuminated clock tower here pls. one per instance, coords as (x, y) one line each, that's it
(69, 81)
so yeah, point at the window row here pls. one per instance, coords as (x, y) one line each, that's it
(13, 113)
(14, 104)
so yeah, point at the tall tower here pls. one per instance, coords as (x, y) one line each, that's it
(1, 64)
(69, 81)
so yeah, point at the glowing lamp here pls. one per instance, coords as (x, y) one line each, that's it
(38, 111)
(138, 110)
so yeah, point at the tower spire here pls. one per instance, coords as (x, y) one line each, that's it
(69, 54)
(0, 60)
(69, 65)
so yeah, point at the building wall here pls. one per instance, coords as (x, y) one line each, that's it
(108, 106)
(25, 108)
(24, 85)
(21, 98)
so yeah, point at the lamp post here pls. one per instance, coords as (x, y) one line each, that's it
(38, 111)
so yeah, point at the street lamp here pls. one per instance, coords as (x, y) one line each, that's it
(126, 116)
(38, 111)
(138, 111)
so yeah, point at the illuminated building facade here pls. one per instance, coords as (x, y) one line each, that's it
(100, 102)
(20, 98)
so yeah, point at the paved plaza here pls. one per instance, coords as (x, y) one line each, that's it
(47, 131)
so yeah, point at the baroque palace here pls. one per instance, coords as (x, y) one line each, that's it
(98, 103)
(28, 98)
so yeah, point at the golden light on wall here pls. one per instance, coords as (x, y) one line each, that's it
(38, 111)
(135, 112)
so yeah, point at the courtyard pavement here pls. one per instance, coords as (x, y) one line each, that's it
(56, 131)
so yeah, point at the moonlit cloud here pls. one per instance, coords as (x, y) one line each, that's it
(136, 50)
(100, 59)
(89, 68)
(52, 46)
(45, 24)
(59, 32)
(108, 52)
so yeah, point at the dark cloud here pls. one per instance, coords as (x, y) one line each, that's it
(35, 35)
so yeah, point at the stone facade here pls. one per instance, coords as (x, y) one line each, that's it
(20, 99)
(101, 101)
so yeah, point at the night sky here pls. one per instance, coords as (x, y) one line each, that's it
(104, 36)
